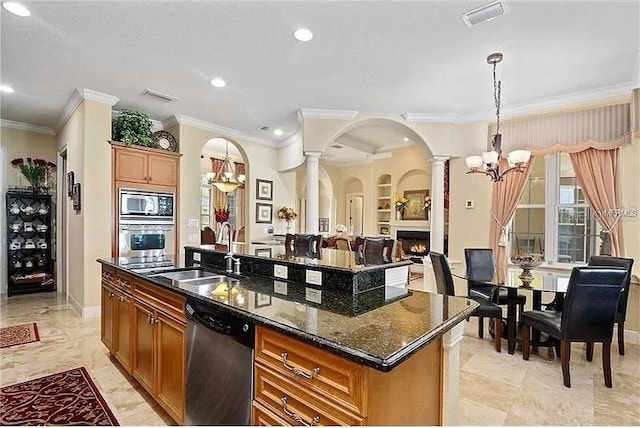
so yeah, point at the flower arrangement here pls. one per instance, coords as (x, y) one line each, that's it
(222, 214)
(287, 213)
(427, 202)
(400, 202)
(36, 171)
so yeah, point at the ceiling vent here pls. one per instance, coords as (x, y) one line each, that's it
(484, 13)
(159, 96)
(337, 146)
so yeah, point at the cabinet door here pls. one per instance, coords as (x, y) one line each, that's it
(122, 342)
(143, 344)
(106, 315)
(171, 349)
(163, 170)
(131, 166)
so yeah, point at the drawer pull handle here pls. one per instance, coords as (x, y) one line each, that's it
(111, 294)
(297, 417)
(296, 371)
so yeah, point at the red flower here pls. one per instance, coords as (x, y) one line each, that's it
(51, 164)
(18, 161)
(28, 160)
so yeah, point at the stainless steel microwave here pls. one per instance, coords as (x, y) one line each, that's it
(145, 207)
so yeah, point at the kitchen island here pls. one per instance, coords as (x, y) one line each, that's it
(321, 356)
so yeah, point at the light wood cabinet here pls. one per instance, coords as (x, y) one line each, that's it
(143, 345)
(144, 327)
(171, 340)
(107, 314)
(145, 166)
(299, 384)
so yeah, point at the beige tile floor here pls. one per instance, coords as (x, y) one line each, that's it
(495, 389)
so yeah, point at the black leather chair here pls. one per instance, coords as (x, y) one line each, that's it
(487, 309)
(481, 265)
(308, 245)
(588, 316)
(289, 244)
(621, 314)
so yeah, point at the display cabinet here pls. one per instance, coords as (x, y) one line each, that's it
(29, 241)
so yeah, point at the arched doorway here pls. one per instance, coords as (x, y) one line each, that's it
(220, 199)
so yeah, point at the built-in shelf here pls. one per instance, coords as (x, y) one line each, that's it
(384, 210)
(383, 222)
(384, 197)
(384, 185)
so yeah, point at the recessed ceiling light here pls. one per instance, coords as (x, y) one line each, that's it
(303, 34)
(16, 8)
(7, 89)
(405, 139)
(218, 82)
(484, 13)
(278, 132)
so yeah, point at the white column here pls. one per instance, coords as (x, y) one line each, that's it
(313, 192)
(437, 203)
(451, 373)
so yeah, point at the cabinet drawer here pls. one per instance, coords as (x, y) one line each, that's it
(333, 377)
(125, 282)
(263, 418)
(166, 301)
(296, 404)
(109, 276)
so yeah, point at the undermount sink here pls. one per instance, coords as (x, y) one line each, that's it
(188, 275)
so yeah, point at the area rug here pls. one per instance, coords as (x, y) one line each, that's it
(18, 335)
(66, 398)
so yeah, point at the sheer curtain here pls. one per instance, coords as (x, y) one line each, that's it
(504, 201)
(596, 172)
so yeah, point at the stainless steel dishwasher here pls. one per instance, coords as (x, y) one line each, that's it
(219, 367)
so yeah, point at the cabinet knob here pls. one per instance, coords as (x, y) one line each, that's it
(110, 294)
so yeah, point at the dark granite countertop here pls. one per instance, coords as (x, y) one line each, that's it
(379, 328)
(330, 257)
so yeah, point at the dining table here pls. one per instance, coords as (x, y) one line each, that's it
(543, 281)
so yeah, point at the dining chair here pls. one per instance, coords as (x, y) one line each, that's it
(342, 243)
(481, 266)
(289, 244)
(589, 313)
(308, 245)
(487, 309)
(621, 313)
(207, 236)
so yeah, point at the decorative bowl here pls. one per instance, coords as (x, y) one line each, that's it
(526, 263)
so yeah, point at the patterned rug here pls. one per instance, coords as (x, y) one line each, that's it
(18, 335)
(66, 398)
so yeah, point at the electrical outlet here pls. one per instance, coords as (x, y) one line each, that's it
(469, 204)
(196, 257)
(193, 222)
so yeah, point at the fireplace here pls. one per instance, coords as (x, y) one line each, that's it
(415, 243)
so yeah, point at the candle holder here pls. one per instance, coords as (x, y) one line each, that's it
(526, 262)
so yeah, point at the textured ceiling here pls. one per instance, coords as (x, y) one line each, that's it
(371, 57)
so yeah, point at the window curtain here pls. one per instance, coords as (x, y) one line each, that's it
(217, 165)
(504, 201)
(596, 173)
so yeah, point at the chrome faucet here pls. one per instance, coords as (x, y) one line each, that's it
(233, 263)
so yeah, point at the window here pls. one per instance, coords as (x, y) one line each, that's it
(553, 218)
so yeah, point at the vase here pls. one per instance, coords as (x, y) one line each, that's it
(398, 215)
(288, 226)
(426, 213)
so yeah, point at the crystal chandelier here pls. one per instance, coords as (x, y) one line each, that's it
(227, 180)
(489, 162)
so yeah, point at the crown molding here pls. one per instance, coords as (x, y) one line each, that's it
(79, 95)
(550, 104)
(295, 138)
(430, 118)
(26, 127)
(170, 122)
(219, 129)
(99, 97)
(313, 113)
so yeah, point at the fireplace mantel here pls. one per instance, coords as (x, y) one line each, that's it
(395, 225)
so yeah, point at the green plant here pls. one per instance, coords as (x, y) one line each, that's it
(132, 127)
(34, 170)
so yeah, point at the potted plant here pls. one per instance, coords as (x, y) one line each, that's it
(132, 127)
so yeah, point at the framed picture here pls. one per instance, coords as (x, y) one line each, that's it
(262, 252)
(384, 230)
(415, 205)
(75, 197)
(264, 190)
(264, 213)
(70, 183)
(262, 300)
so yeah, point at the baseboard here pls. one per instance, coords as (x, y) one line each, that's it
(84, 313)
(630, 336)
(77, 307)
(91, 312)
